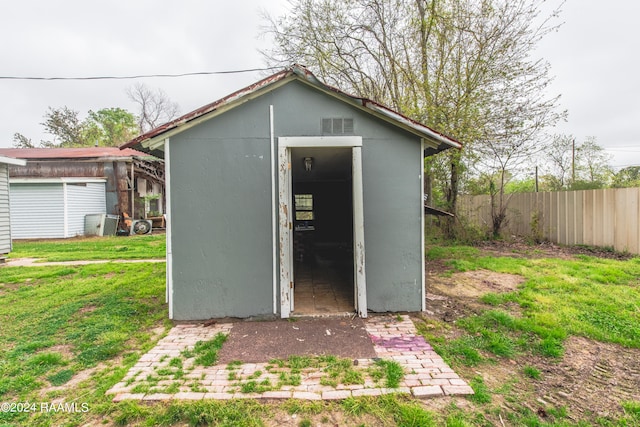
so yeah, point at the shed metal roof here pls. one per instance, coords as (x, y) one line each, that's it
(152, 139)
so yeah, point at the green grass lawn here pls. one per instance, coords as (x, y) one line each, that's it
(61, 321)
(585, 296)
(90, 248)
(71, 333)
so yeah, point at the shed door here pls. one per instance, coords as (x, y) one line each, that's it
(285, 227)
(285, 213)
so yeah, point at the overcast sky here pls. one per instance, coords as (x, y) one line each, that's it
(594, 58)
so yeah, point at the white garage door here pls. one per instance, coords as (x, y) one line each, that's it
(55, 209)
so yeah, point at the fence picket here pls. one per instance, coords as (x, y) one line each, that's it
(607, 217)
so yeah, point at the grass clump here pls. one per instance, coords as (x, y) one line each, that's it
(255, 386)
(206, 352)
(60, 377)
(287, 378)
(389, 370)
(298, 363)
(394, 409)
(532, 372)
(339, 371)
(631, 412)
(481, 392)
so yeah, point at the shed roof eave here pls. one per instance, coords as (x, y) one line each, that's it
(156, 142)
(431, 137)
(154, 139)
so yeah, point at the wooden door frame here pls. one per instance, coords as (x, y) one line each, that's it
(286, 208)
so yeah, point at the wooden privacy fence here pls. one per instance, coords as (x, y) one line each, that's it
(606, 217)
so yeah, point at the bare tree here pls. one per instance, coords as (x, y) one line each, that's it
(452, 64)
(593, 165)
(518, 113)
(155, 107)
(559, 161)
(574, 165)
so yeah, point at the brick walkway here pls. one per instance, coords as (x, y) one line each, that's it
(166, 373)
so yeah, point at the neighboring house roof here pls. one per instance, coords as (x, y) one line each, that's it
(12, 161)
(152, 140)
(72, 153)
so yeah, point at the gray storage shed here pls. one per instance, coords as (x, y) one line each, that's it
(5, 212)
(291, 197)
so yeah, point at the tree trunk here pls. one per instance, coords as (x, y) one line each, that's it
(452, 194)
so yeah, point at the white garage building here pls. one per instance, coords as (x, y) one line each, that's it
(54, 207)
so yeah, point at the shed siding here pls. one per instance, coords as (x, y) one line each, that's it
(221, 223)
(37, 211)
(5, 225)
(221, 206)
(392, 221)
(83, 199)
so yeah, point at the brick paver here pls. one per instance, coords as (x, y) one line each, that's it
(426, 374)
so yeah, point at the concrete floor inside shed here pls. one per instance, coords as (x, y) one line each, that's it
(322, 288)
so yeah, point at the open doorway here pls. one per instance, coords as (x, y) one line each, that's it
(322, 198)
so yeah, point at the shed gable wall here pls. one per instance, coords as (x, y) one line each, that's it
(221, 205)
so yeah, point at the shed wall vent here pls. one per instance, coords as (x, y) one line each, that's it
(337, 126)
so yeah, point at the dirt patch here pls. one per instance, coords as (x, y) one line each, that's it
(473, 284)
(79, 377)
(262, 341)
(593, 377)
(326, 418)
(5, 288)
(591, 380)
(450, 298)
(64, 349)
(74, 381)
(87, 309)
(518, 247)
